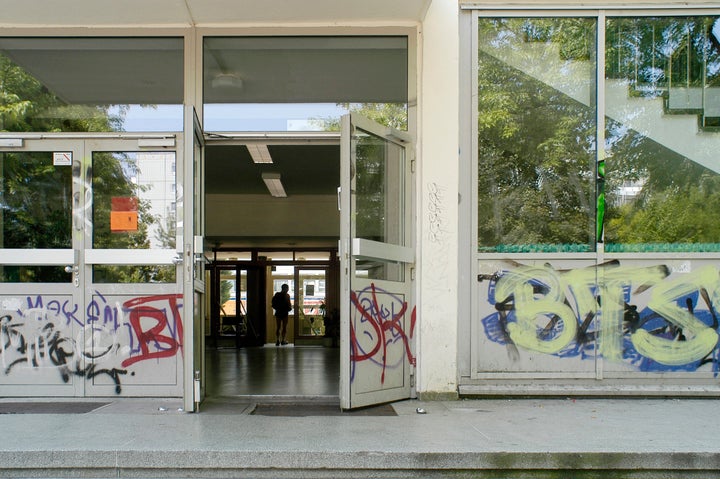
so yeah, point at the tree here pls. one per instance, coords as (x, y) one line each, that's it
(36, 203)
(536, 146)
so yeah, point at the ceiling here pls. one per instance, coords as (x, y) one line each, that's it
(305, 169)
(58, 13)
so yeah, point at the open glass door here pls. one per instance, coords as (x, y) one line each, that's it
(194, 267)
(376, 257)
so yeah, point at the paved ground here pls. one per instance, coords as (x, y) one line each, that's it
(517, 438)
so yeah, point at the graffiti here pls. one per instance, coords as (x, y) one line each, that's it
(141, 308)
(377, 330)
(37, 334)
(436, 213)
(595, 312)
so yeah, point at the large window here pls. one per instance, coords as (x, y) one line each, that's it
(536, 134)
(303, 83)
(91, 84)
(662, 99)
(653, 185)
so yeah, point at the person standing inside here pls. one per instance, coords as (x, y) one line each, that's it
(282, 306)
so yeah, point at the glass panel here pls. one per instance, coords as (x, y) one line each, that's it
(662, 93)
(35, 201)
(276, 255)
(35, 212)
(536, 134)
(379, 270)
(91, 84)
(134, 200)
(134, 274)
(303, 83)
(379, 189)
(311, 303)
(229, 301)
(312, 256)
(34, 274)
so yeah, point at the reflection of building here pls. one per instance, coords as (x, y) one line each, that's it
(628, 191)
(157, 188)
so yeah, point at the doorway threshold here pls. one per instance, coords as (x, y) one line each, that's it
(294, 399)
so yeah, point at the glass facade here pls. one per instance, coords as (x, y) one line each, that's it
(543, 185)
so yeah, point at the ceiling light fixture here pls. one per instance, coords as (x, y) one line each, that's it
(259, 153)
(227, 80)
(274, 185)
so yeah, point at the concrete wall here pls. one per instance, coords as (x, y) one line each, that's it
(262, 215)
(438, 192)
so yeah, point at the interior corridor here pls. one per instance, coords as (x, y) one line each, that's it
(286, 372)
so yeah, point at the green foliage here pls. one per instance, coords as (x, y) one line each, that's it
(536, 154)
(36, 199)
(393, 115)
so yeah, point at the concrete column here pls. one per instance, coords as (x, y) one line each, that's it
(437, 218)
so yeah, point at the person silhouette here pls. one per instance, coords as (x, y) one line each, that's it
(282, 306)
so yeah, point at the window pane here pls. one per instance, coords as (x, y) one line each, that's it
(303, 83)
(378, 189)
(311, 303)
(34, 274)
(134, 200)
(662, 92)
(35, 201)
(377, 269)
(134, 274)
(91, 84)
(536, 134)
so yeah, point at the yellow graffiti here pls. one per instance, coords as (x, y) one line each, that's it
(541, 295)
(700, 339)
(549, 306)
(611, 281)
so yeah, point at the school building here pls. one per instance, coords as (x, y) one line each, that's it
(465, 198)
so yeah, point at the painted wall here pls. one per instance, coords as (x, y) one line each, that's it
(624, 316)
(114, 345)
(438, 192)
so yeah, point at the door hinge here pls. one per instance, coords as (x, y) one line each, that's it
(412, 379)
(412, 273)
(412, 166)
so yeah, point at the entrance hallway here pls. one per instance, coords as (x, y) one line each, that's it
(286, 372)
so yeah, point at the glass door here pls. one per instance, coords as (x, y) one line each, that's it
(132, 278)
(41, 303)
(376, 256)
(91, 303)
(311, 303)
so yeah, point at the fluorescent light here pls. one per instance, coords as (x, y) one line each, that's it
(259, 153)
(272, 181)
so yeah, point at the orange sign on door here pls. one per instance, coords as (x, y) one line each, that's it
(123, 214)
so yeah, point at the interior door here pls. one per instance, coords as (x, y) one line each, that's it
(376, 258)
(40, 243)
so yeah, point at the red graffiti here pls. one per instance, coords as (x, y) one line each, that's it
(384, 324)
(155, 342)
